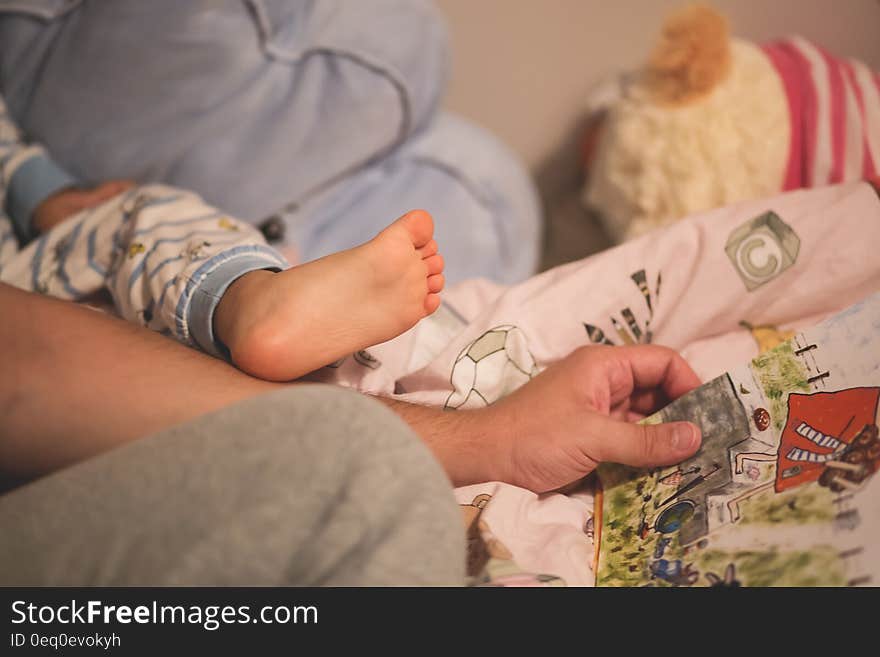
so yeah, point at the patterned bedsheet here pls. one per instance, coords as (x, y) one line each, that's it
(719, 287)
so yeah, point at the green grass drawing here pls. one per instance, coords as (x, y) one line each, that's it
(810, 504)
(818, 566)
(780, 372)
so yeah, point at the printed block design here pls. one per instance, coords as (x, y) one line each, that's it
(762, 248)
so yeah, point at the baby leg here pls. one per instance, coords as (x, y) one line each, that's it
(282, 326)
(162, 253)
(176, 265)
(184, 267)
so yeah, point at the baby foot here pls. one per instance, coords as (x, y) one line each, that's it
(281, 326)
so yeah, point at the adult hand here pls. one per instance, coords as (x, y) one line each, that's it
(67, 202)
(581, 411)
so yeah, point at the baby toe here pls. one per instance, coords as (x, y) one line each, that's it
(420, 227)
(432, 302)
(429, 249)
(434, 264)
(436, 283)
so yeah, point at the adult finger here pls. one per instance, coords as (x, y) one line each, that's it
(653, 366)
(648, 401)
(640, 445)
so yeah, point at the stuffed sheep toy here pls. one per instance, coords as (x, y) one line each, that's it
(712, 120)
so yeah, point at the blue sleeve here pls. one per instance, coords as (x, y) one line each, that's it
(206, 298)
(32, 181)
(27, 176)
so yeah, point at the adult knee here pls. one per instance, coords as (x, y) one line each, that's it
(310, 485)
(320, 486)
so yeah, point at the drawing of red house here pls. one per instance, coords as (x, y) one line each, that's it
(819, 429)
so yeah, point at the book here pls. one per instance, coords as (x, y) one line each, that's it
(783, 490)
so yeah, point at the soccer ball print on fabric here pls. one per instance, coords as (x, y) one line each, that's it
(490, 367)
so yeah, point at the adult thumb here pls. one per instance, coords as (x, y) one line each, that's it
(644, 445)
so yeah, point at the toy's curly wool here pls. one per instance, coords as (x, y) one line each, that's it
(657, 163)
(712, 121)
(691, 58)
(706, 124)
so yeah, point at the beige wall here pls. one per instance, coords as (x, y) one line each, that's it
(524, 67)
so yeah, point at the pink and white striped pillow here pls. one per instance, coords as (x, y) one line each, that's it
(834, 106)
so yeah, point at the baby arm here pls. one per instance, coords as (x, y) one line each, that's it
(28, 176)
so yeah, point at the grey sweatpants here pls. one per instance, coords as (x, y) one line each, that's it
(311, 485)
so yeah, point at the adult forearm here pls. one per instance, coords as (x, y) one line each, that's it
(76, 382)
(466, 443)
